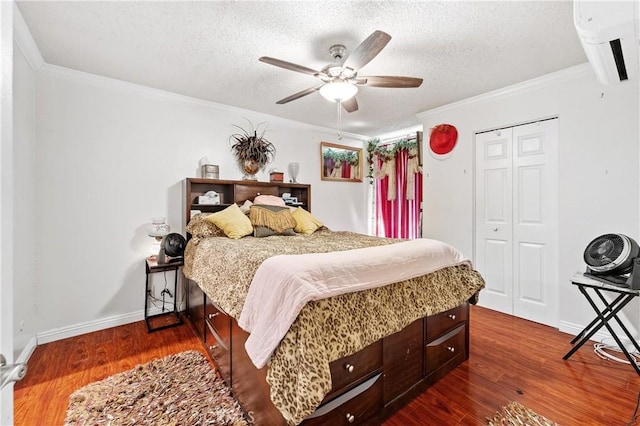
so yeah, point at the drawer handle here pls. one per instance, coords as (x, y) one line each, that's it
(452, 316)
(351, 418)
(451, 349)
(349, 368)
(215, 314)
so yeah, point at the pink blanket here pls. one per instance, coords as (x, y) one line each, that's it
(283, 284)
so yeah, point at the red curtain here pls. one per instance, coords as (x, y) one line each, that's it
(399, 218)
(346, 170)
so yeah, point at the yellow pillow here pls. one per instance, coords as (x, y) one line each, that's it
(306, 223)
(232, 221)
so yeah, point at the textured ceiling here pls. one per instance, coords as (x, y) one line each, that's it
(210, 50)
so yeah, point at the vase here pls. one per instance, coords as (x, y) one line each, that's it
(249, 169)
(293, 168)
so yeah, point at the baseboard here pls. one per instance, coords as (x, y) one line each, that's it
(602, 335)
(26, 353)
(91, 326)
(575, 329)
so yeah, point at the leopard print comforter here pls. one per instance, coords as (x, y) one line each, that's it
(224, 267)
(328, 329)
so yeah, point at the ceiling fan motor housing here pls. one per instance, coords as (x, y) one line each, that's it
(611, 254)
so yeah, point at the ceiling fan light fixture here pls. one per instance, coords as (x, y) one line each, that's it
(338, 91)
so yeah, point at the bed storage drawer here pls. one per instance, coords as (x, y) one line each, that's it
(445, 348)
(220, 354)
(218, 323)
(445, 321)
(195, 307)
(345, 372)
(359, 405)
(218, 338)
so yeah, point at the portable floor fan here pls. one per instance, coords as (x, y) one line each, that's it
(613, 259)
(171, 248)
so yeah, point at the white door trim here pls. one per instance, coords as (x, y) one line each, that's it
(6, 201)
(538, 300)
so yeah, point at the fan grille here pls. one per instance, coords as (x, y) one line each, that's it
(604, 250)
(174, 245)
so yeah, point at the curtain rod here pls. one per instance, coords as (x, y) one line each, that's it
(394, 140)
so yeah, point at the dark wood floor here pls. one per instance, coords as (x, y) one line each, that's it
(511, 360)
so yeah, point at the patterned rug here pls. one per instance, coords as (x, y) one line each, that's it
(516, 414)
(181, 389)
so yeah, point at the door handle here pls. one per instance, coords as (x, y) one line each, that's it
(10, 372)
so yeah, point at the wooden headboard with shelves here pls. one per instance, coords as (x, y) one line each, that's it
(238, 191)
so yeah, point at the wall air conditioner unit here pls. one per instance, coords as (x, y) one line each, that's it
(609, 33)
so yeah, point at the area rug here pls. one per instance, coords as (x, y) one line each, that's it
(516, 414)
(181, 389)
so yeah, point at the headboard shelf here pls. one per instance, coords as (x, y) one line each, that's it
(238, 191)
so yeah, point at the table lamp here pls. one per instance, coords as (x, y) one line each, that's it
(157, 229)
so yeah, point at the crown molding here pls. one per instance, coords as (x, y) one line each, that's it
(568, 74)
(138, 89)
(29, 48)
(25, 42)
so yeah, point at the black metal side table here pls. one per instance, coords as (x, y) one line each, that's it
(152, 266)
(604, 315)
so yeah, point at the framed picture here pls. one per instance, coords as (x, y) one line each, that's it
(340, 162)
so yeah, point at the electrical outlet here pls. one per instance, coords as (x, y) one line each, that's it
(152, 290)
(22, 325)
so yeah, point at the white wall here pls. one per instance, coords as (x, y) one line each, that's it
(598, 168)
(111, 155)
(24, 205)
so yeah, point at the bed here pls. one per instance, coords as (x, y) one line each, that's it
(352, 358)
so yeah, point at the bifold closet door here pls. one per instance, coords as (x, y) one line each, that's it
(516, 220)
(494, 218)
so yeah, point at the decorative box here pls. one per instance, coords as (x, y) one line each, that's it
(276, 177)
(210, 198)
(210, 171)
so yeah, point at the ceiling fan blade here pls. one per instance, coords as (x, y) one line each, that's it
(367, 50)
(350, 105)
(392, 81)
(300, 94)
(288, 65)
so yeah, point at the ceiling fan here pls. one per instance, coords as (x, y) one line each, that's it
(340, 78)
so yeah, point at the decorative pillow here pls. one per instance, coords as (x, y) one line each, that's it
(306, 223)
(263, 231)
(246, 206)
(199, 226)
(232, 221)
(276, 218)
(270, 200)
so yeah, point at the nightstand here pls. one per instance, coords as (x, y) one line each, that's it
(167, 318)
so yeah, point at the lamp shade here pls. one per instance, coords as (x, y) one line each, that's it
(338, 91)
(158, 227)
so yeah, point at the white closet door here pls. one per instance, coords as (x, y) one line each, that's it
(517, 220)
(535, 225)
(494, 218)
